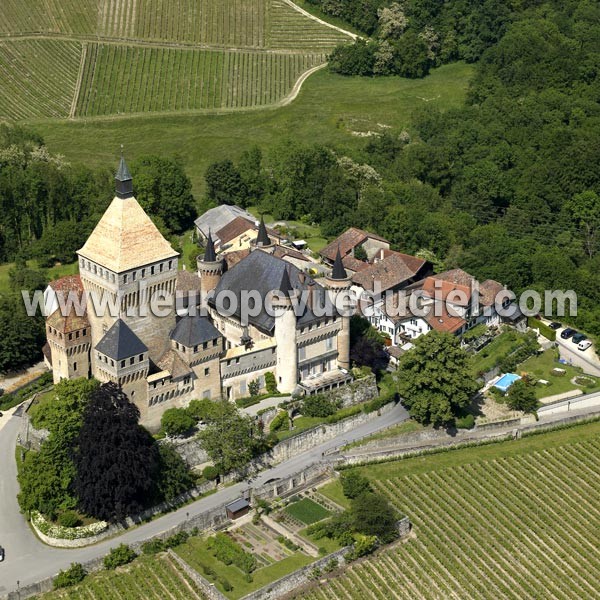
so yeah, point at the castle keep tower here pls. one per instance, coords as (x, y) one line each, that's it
(126, 262)
(339, 281)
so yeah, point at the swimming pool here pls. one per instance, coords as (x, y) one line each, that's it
(506, 381)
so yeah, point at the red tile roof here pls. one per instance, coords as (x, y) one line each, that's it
(68, 283)
(440, 289)
(441, 320)
(350, 239)
(233, 229)
(353, 264)
(391, 271)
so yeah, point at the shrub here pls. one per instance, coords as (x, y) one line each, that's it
(153, 547)
(73, 575)
(121, 555)
(230, 552)
(281, 421)
(208, 571)
(226, 585)
(544, 330)
(176, 421)
(254, 387)
(365, 544)
(466, 422)
(318, 406)
(210, 472)
(176, 539)
(270, 383)
(69, 518)
(332, 565)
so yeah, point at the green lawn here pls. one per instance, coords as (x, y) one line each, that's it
(333, 491)
(542, 365)
(307, 511)
(330, 545)
(330, 109)
(197, 555)
(300, 424)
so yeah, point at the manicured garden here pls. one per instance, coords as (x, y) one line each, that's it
(307, 511)
(544, 367)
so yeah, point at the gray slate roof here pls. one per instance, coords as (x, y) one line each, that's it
(191, 331)
(120, 342)
(216, 218)
(264, 273)
(238, 504)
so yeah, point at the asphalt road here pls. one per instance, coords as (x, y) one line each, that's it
(28, 560)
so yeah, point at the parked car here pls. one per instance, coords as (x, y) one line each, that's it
(584, 345)
(1, 554)
(579, 337)
(555, 325)
(567, 333)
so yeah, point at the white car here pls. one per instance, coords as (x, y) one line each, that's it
(584, 345)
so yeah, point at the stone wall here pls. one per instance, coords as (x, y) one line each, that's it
(207, 588)
(29, 436)
(294, 580)
(193, 454)
(310, 438)
(359, 390)
(292, 483)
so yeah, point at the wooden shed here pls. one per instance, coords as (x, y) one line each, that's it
(238, 508)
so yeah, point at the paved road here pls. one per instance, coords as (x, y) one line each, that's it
(28, 560)
(587, 402)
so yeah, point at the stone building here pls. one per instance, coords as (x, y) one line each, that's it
(139, 332)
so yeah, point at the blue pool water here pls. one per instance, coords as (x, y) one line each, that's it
(506, 381)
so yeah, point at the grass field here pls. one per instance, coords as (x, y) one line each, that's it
(112, 57)
(330, 110)
(541, 367)
(307, 511)
(151, 578)
(512, 520)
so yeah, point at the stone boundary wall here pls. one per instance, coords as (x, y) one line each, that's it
(288, 583)
(190, 450)
(494, 434)
(209, 589)
(292, 483)
(29, 436)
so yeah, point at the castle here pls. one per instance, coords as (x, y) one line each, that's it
(163, 359)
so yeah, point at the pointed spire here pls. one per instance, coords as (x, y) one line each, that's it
(285, 287)
(209, 254)
(124, 186)
(338, 267)
(262, 239)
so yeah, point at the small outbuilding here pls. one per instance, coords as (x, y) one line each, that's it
(238, 508)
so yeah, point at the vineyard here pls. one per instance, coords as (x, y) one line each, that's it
(26, 89)
(151, 578)
(518, 527)
(81, 58)
(121, 79)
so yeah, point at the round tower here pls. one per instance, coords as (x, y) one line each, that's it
(339, 281)
(209, 269)
(285, 335)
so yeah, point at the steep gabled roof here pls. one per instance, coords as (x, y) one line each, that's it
(126, 238)
(347, 241)
(234, 229)
(392, 271)
(173, 363)
(120, 342)
(191, 331)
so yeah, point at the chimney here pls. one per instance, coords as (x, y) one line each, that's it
(310, 300)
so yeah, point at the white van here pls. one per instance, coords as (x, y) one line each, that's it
(584, 345)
